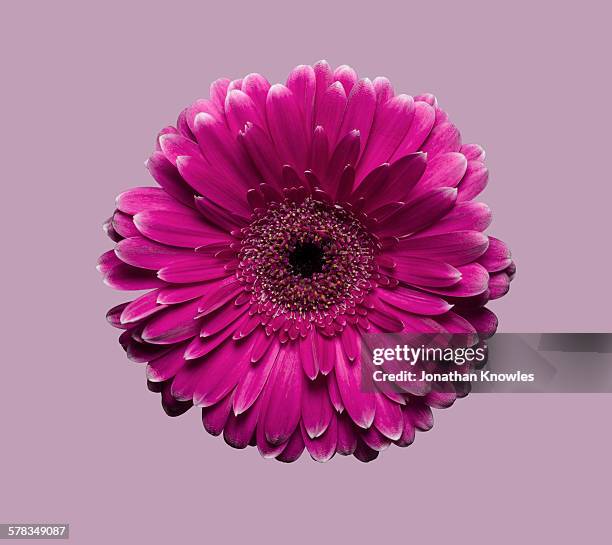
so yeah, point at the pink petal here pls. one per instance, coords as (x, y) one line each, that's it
(316, 407)
(227, 193)
(167, 176)
(425, 272)
(442, 139)
(254, 379)
(287, 127)
(215, 416)
(497, 257)
(172, 325)
(140, 308)
(392, 121)
(188, 231)
(359, 404)
(302, 83)
(418, 213)
(457, 248)
(323, 447)
(414, 301)
(474, 181)
(330, 111)
(474, 280)
(141, 252)
(283, 409)
(444, 170)
(360, 108)
(422, 123)
(465, 216)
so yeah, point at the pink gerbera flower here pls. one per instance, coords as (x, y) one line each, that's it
(290, 220)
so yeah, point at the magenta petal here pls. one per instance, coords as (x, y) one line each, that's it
(167, 365)
(457, 248)
(383, 88)
(316, 407)
(482, 319)
(374, 439)
(287, 126)
(302, 83)
(454, 323)
(183, 230)
(323, 79)
(414, 301)
(418, 213)
(408, 432)
(499, 284)
(309, 354)
(284, 407)
(346, 153)
(222, 150)
(218, 294)
(392, 121)
(474, 280)
(201, 346)
(425, 272)
(123, 224)
(168, 177)
(444, 170)
(241, 109)
(216, 378)
(227, 193)
(215, 416)
(171, 295)
(330, 111)
(420, 415)
(388, 419)
(402, 176)
(125, 277)
(359, 404)
(252, 382)
(294, 448)
(256, 87)
(218, 91)
(464, 216)
(239, 429)
(140, 308)
(346, 76)
(220, 319)
(113, 316)
(139, 199)
(323, 447)
(334, 392)
(263, 154)
(422, 123)
(473, 152)
(141, 252)
(442, 139)
(347, 438)
(473, 182)
(193, 269)
(172, 325)
(497, 257)
(360, 109)
(218, 216)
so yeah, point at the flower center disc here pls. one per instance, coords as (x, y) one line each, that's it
(301, 257)
(307, 258)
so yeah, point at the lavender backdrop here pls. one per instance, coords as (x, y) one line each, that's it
(87, 85)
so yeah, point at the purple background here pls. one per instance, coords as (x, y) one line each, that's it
(86, 86)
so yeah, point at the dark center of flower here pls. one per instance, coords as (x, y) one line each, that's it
(300, 259)
(306, 258)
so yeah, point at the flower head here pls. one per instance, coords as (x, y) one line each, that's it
(290, 220)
